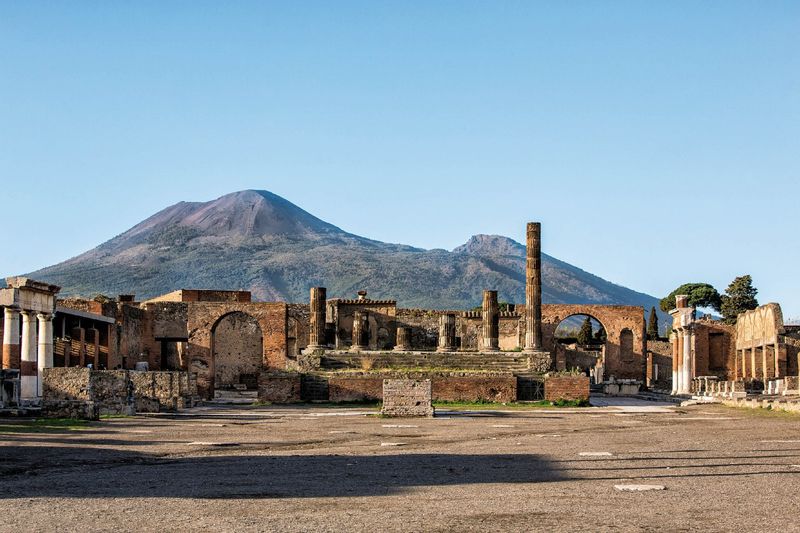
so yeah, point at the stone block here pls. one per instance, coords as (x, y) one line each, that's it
(407, 398)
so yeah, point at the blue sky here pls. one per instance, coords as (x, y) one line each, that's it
(658, 142)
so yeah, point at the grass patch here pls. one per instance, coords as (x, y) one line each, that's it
(541, 404)
(44, 425)
(111, 417)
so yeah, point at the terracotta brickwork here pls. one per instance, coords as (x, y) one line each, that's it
(566, 388)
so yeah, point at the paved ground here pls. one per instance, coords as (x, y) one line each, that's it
(317, 469)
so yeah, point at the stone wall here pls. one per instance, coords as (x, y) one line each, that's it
(451, 387)
(566, 388)
(85, 393)
(297, 327)
(202, 320)
(407, 398)
(279, 388)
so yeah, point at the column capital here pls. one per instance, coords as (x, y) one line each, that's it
(45, 317)
(12, 309)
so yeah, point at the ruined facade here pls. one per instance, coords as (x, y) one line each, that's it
(226, 340)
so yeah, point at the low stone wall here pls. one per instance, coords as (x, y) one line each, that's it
(85, 393)
(162, 391)
(407, 398)
(575, 388)
(452, 388)
(279, 388)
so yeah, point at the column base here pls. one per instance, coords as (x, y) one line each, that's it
(314, 349)
(401, 349)
(445, 349)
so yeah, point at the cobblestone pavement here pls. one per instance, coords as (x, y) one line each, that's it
(323, 469)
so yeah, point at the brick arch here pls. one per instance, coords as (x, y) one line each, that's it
(614, 319)
(229, 367)
(203, 317)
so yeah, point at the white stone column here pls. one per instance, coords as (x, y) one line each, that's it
(11, 338)
(686, 371)
(28, 373)
(676, 361)
(45, 356)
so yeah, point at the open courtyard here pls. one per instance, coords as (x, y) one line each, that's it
(318, 468)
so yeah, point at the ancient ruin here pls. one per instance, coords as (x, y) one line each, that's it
(341, 349)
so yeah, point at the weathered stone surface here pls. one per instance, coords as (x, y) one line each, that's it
(490, 322)
(575, 388)
(279, 388)
(407, 398)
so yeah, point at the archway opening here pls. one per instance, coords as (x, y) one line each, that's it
(580, 342)
(237, 348)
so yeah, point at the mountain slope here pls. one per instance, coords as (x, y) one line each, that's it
(258, 241)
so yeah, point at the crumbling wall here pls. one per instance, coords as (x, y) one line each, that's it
(279, 387)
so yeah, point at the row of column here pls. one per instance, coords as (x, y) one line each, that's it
(682, 361)
(447, 326)
(750, 364)
(23, 351)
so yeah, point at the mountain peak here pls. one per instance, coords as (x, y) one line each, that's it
(490, 245)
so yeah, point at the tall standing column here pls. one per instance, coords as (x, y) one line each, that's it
(45, 355)
(11, 338)
(675, 357)
(533, 288)
(359, 327)
(491, 322)
(447, 333)
(686, 380)
(316, 318)
(28, 372)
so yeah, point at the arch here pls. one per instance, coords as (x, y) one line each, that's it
(625, 348)
(236, 350)
(588, 359)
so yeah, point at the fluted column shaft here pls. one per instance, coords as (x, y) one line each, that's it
(359, 322)
(11, 337)
(45, 355)
(491, 322)
(316, 321)
(403, 339)
(447, 333)
(28, 371)
(533, 287)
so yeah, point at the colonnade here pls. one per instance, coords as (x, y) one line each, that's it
(29, 352)
(760, 362)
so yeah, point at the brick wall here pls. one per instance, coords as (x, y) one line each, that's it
(279, 388)
(566, 388)
(454, 388)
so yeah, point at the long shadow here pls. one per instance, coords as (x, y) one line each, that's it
(126, 474)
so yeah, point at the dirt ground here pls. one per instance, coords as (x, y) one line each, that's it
(325, 469)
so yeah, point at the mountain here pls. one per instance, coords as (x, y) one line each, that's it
(259, 241)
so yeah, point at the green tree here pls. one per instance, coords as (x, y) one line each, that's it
(585, 334)
(600, 336)
(652, 325)
(700, 295)
(740, 296)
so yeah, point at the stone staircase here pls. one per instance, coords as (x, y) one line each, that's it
(314, 387)
(498, 362)
(237, 395)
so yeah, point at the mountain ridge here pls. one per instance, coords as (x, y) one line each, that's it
(259, 241)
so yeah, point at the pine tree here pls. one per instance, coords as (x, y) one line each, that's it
(740, 296)
(585, 334)
(652, 325)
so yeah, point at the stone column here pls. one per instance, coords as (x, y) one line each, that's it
(45, 355)
(28, 372)
(359, 323)
(533, 288)
(780, 369)
(675, 357)
(403, 339)
(316, 319)
(447, 333)
(753, 366)
(11, 338)
(686, 381)
(491, 322)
